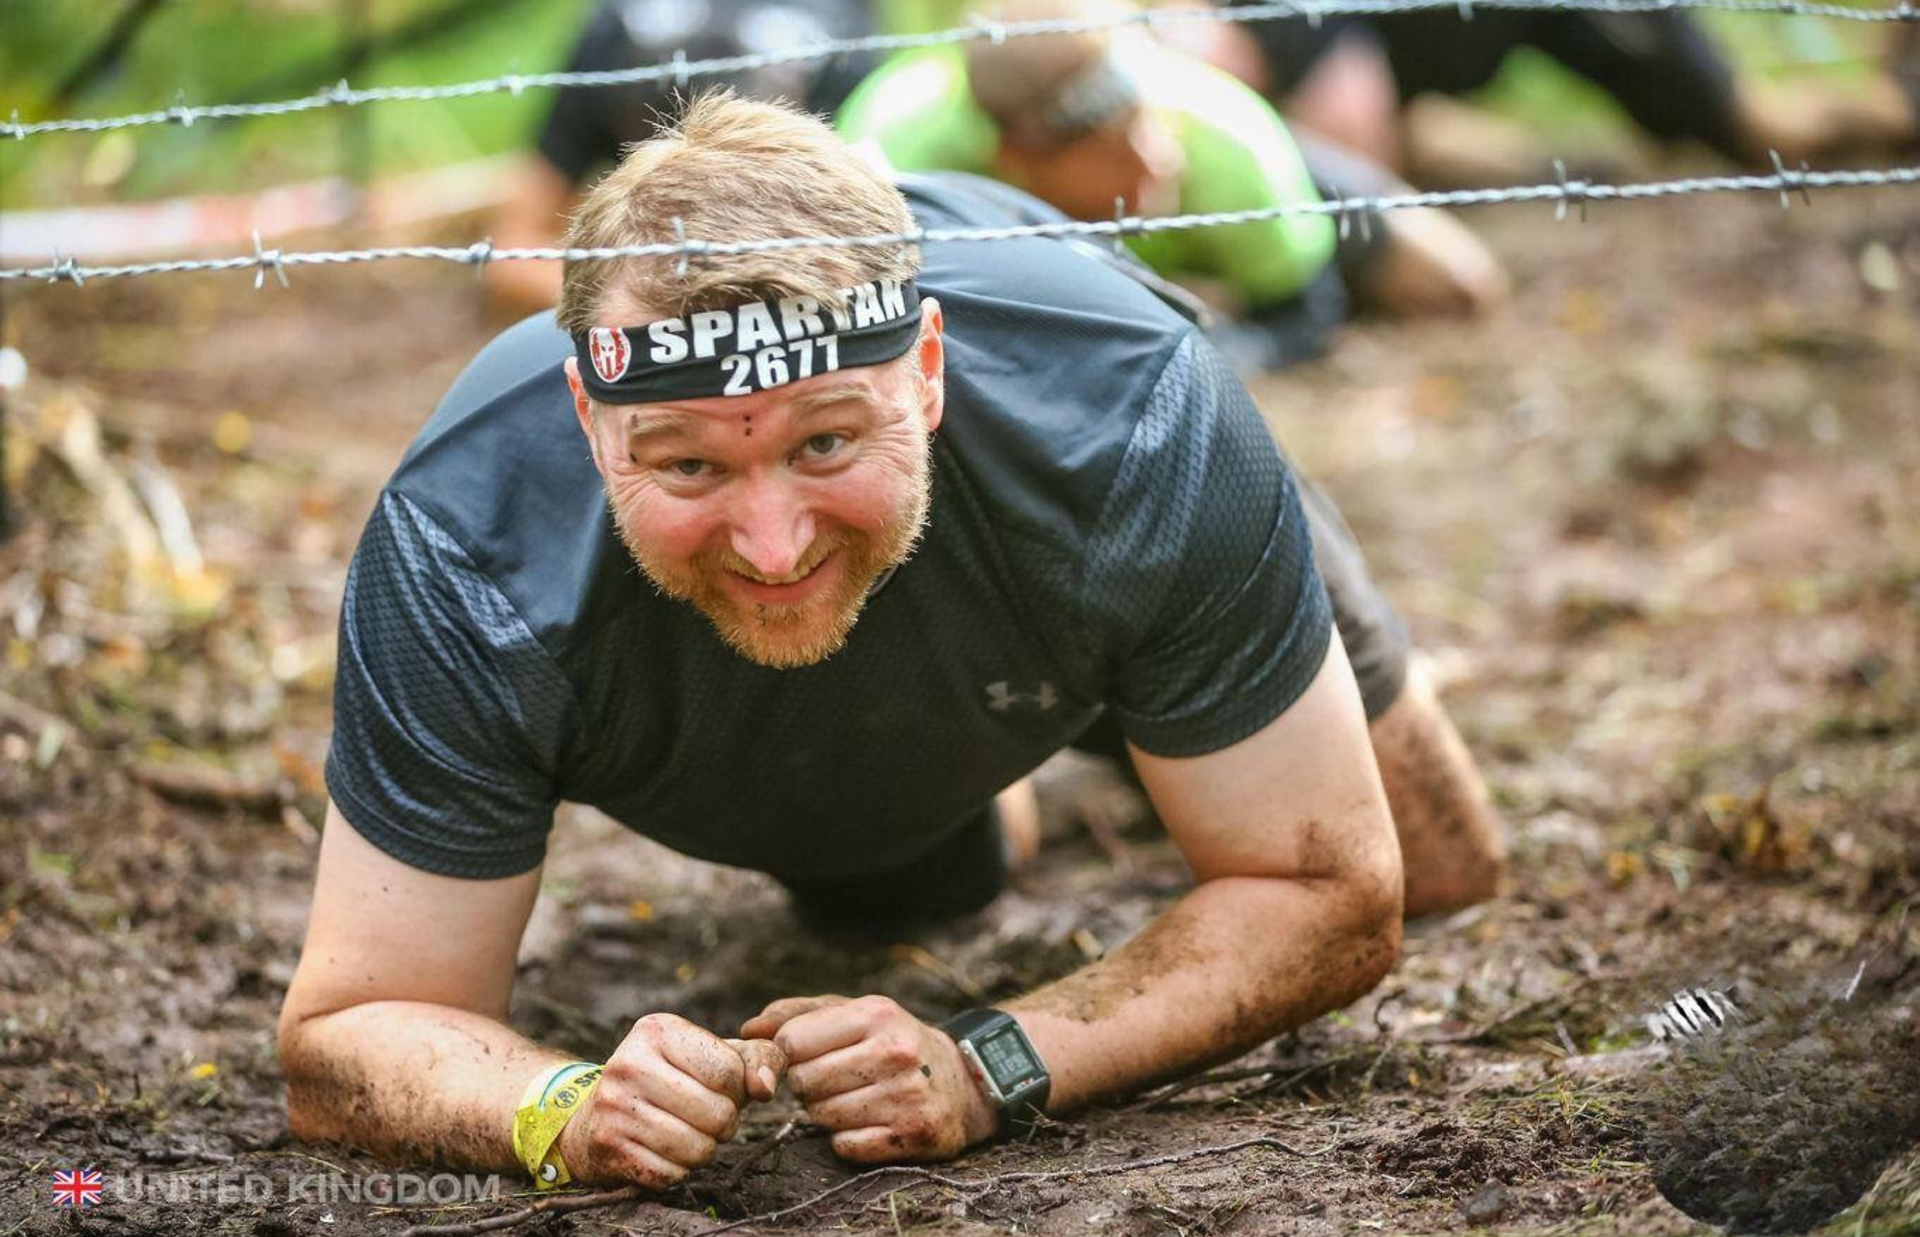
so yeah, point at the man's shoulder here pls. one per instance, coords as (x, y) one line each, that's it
(503, 472)
(1211, 101)
(1054, 351)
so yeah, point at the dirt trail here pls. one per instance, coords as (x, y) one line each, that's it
(1656, 526)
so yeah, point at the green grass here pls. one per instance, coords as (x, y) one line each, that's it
(207, 51)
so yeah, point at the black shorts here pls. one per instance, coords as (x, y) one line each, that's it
(1660, 67)
(968, 868)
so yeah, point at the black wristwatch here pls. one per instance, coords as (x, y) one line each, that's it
(1002, 1060)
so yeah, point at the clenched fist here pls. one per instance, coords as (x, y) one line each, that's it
(886, 1084)
(667, 1098)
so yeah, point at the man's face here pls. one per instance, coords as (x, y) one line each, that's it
(1137, 159)
(774, 513)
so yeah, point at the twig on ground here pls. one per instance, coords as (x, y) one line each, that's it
(555, 1204)
(982, 1186)
(17, 712)
(184, 1155)
(213, 788)
(974, 1188)
(761, 1152)
(1380, 1055)
(938, 967)
(294, 821)
(1211, 1077)
(1502, 1027)
(1105, 833)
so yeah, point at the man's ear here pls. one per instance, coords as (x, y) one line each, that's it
(932, 360)
(583, 408)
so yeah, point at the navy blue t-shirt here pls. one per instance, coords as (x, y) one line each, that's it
(1112, 528)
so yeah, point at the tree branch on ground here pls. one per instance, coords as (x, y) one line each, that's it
(970, 1189)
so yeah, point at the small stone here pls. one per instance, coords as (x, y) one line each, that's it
(1879, 268)
(1487, 1204)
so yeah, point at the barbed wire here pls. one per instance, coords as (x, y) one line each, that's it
(681, 70)
(1563, 192)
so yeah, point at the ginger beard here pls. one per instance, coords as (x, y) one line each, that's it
(786, 637)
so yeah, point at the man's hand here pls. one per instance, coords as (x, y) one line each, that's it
(670, 1095)
(889, 1086)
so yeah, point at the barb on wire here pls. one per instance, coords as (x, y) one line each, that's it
(681, 70)
(478, 254)
(1570, 191)
(680, 241)
(1793, 179)
(64, 268)
(265, 259)
(682, 247)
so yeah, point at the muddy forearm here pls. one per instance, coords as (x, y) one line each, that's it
(1234, 963)
(410, 1081)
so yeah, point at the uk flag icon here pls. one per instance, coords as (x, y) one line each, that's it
(77, 1188)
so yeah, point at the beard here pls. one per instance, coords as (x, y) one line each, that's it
(786, 637)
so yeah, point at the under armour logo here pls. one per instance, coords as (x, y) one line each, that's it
(1001, 698)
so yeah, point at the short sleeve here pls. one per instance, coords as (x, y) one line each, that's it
(916, 107)
(449, 717)
(1201, 576)
(1239, 157)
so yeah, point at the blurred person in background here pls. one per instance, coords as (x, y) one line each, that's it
(1111, 119)
(588, 127)
(1351, 78)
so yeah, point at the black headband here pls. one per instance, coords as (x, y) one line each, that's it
(748, 348)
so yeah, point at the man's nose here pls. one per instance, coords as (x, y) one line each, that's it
(772, 526)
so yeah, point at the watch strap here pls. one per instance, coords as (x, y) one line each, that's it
(1020, 1111)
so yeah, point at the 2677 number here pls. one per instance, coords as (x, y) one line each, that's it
(769, 367)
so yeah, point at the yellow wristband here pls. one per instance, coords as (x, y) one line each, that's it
(551, 1099)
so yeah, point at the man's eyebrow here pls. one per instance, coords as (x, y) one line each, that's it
(659, 425)
(642, 426)
(845, 393)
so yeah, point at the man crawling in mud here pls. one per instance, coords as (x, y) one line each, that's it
(907, 521)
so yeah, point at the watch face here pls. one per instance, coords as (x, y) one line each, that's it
(1005, 1055)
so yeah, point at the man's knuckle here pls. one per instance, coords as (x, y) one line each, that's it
(721, 1119)
(654, 1028)
(899, 1050)
(878, 1008)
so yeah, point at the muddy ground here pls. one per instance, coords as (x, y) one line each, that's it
(1656, 526)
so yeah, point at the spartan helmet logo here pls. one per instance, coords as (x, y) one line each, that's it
(610, 352)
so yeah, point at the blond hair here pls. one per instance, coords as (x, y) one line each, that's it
(733, 169)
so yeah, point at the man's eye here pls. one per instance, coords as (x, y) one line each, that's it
(689, 468)
(824, 444)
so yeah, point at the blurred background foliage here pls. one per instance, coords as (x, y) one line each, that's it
(206, 51)
(106, 57)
